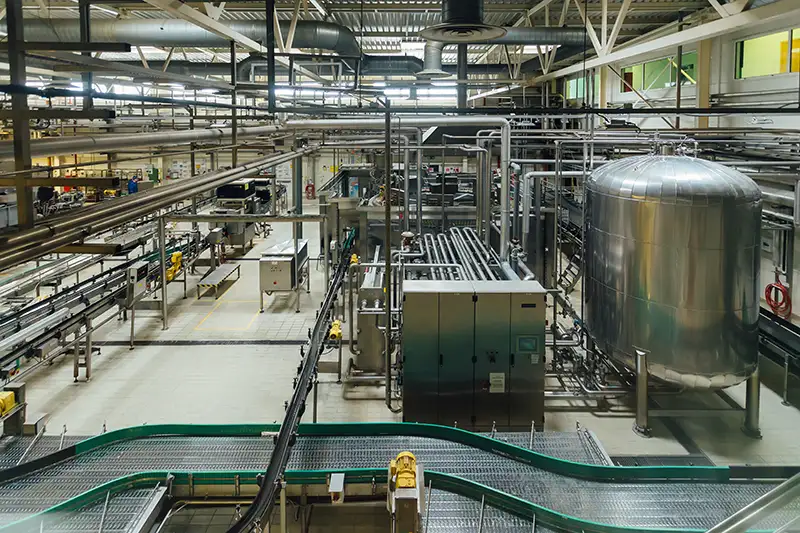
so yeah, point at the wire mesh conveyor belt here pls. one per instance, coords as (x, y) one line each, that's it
(619, 500)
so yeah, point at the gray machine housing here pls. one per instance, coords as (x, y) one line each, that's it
(473, 353)
(277, 270)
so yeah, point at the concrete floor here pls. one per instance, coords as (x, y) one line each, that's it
(188, 374)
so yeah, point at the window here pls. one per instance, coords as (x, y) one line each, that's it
(575, 88)
(634, 77)
(659, 73)
(795, 50)
(763, 56)
(688, 68)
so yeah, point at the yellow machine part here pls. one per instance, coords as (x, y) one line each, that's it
(335, 333)
(403, 469)
(354, 259)
(7, 401)
(176, 259)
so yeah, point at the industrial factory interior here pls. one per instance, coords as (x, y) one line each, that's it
(399, 266)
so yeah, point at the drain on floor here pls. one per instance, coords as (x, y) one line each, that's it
(662, 460)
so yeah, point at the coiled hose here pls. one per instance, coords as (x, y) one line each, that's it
(779, 298)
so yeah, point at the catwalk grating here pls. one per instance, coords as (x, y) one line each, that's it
(642, 504)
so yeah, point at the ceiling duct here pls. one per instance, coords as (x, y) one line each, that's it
(433, 62)
(462, 22)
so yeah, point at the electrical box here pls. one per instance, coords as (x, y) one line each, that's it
(473, 353)
(137, 281)
(277, 269)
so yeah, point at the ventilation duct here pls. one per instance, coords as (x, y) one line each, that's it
(566, 37)
(462, 22)
(433, 61)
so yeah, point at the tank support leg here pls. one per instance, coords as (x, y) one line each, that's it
(641, 426)
(752, 406)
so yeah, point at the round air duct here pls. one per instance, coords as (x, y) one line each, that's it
(462, 22)
(433, 62)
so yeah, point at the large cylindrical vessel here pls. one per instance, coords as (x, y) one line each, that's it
(672, 267)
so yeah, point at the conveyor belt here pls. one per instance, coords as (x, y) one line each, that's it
(655, 503)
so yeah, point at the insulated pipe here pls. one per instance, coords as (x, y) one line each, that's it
(29, 244)
(426, 122)
(182, 33)
(98, 143)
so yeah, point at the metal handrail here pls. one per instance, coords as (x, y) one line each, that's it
(749, 515)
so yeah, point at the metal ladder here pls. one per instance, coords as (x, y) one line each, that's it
(571, 274)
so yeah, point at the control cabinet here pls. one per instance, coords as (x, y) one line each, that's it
(473, 353)
(137, 282)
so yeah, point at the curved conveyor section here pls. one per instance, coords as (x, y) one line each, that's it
(562, 494)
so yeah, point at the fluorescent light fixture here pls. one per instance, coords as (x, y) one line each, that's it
(494, 92)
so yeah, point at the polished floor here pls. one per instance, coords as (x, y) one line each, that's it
(221, 361)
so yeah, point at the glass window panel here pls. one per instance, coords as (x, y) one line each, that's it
(762, 56)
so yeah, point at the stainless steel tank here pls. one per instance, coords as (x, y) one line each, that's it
(672, 266)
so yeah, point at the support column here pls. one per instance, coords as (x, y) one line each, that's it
(603, 73)
(84, 22)
(19, 108)
(641, 426)
(297, 186)
(234, 121)
(752, 406)
(703, 79)
(461, 89)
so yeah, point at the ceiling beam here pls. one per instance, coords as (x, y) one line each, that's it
(188, 13)
(598, 48)
(747, 19)
(519, 22)
(623, 12)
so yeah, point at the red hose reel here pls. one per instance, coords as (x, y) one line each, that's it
(779, 298)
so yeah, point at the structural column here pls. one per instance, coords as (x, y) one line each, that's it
(603, 73)
(234, 121)
(83, 11)
(462, 76)
(19, 108)
(703, 79)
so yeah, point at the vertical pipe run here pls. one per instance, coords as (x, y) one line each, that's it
(297, 181)
(162, 250)
(387, 252)
(505, 162)
(420, 173)
(641, 425)
(679, 65)
(406, 185)
(270, 44)
(479, 199)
